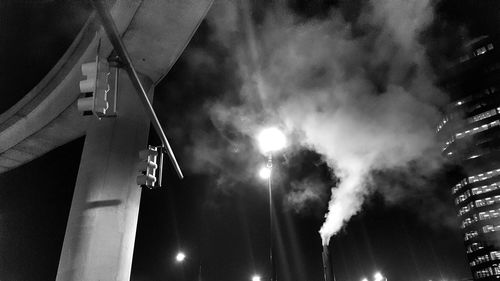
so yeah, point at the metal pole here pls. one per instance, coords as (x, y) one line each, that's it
(271, 221)
(116, 41)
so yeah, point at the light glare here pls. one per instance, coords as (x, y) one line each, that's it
(265, 173)
(271, 140)
(378, 276)
(180, 257)
(256, 278)
(365, 279)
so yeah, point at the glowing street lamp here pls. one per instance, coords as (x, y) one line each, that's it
(256, 278)
(265, 173)
(180, 257)
(379, 277)
(270, 140)
(364, 279)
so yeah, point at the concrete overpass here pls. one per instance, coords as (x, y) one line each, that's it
(100, 234)
(155, 33)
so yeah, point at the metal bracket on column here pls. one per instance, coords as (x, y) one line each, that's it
(124, 58)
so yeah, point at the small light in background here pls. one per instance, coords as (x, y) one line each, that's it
(180, 257)
(256, 278)
(378, 276)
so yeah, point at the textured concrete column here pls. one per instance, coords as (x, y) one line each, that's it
(100, 234)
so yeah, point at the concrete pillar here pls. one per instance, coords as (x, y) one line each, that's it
(100, 234)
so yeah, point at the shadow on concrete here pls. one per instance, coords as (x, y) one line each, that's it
(102, 203)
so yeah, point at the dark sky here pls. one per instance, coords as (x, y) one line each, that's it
(218, 214)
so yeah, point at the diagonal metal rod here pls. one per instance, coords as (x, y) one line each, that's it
(112, 32)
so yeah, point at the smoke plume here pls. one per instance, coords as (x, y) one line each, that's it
(358, 91)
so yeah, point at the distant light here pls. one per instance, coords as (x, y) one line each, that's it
(256, 278)
(265, 173)
(459, 103)
(180, 257)
(364, 279)
(270, 140)
(378, 276)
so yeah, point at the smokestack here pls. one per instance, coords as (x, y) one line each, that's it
(327, 265)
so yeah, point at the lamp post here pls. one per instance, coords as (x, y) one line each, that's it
(270, 140)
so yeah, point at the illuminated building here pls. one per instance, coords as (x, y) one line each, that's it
(470, 131)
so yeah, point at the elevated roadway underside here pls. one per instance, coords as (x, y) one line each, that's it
(155, 34)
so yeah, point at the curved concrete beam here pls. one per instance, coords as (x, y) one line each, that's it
(155, 33)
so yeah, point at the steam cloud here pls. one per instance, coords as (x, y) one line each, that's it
(359, 92)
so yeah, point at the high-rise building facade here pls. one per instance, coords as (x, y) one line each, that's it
(470, 131)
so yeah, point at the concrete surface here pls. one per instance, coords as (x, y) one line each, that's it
(100, 235)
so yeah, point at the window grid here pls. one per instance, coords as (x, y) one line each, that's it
(477, 129)
(470, 234)
(484, 188)
(490, 228)
(472, 131)
(476, 246)
(465, 209)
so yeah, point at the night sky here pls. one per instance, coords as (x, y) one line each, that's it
(218, 214)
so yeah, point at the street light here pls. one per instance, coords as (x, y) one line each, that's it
(270, 140)
(256, 278)
(364, 279)
(379, 277)
(180, 257)
(265, 173)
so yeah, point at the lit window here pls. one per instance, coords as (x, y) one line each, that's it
(495, 255)
(482, 116)
(484, 176)
(478, 129)
(484, 273)
(480, 51)
(489, 214)
(466, 209)
(479, 260)
(474, 247)
(471, 234)
(491, 228)
(485, 188)
(496, 269)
